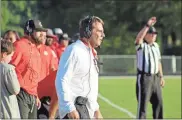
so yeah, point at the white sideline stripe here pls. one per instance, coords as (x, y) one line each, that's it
(116, 106)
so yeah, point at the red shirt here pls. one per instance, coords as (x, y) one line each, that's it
(59, 50)
(48, 71)
(54, 46)
(27, 62)
(46, 87)
(49, 60)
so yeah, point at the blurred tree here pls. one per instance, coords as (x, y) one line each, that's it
(123, 19)
(15, 13)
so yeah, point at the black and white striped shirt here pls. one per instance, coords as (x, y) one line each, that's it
(151, 57)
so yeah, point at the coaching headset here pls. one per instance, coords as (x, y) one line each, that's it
(32, 25)
(86, 27)
(29, 26)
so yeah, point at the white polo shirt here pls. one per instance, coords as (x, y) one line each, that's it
(77, 76)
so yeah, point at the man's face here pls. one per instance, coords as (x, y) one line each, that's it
(49, 41)
(7, 57)
(44, 38)
(97, 34)
(64, 42)
(10, 37)
(151, 37)
(39, 37)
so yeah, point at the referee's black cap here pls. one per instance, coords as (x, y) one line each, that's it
(152, 30)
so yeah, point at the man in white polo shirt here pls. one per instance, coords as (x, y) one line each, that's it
(150, 75)
(77, 76)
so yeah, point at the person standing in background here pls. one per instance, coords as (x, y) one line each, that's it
(58, 32)
(10, 86)
(11, 36)
(46, 87)
(27, 62)
(63, 43)
(149, 71)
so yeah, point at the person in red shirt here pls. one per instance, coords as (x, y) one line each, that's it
(27, 62)
(63, 43)
(46, 87)
(58, 32)
(50, 38)
(48, 60)
(49, 65)
(49, 81)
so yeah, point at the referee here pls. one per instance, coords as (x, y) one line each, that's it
(149, 72)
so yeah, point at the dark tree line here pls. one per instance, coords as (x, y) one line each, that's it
(123, 20)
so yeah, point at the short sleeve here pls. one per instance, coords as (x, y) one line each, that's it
(139, 46)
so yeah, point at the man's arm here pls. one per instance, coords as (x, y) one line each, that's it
(142, 33)
(53, 105)
(54, 61)
(98, 114)
(16, 59)
(162, 82)
(161, 74)
(12, 83)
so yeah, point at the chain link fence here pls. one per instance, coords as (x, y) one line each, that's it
(117, 65)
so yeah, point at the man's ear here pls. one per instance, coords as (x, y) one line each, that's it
(4, 54)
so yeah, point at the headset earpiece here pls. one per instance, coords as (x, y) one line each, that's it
(87, 30)
(29, 29)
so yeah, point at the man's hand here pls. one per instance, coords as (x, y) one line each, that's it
(38, 103)
(73, 115)
(98, 115)
(162, 82)
(152, 21)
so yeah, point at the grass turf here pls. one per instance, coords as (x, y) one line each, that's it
(122, 93)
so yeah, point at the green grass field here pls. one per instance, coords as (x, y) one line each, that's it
(121, 92)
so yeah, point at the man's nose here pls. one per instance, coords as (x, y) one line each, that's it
(103, 35)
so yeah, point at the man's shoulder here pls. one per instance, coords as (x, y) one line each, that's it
(74, 46)
(50, 51)
(75, 49)
(156, 45)
(47, 48)
(21, 41)
(6, 67)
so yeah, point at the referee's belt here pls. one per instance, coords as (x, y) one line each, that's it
(148, 74)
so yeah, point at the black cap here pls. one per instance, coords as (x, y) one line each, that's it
(31, 25)
(152, 30)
